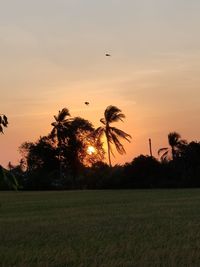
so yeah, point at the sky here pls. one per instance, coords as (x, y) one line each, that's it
(53, 56)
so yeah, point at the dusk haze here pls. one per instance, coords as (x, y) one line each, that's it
(53, 56)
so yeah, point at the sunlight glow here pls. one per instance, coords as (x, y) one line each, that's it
(91, 150)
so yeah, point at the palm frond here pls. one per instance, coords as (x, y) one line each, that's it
(121, 134)
(63, 114)
(109, 136)
(165, 156)
(113, 114)
(5, 119)
(99, 132)
(117, 116)
(162, 150)
(1, 129)
(3, 122)
(103, 121)
(182, 143)
(173, 138)
(118, 145)
(55, 117)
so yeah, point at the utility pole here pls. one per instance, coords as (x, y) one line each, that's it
(150, 148)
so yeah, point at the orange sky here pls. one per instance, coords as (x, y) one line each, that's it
(53, 56)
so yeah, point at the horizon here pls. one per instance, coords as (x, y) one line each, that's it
(53, 56)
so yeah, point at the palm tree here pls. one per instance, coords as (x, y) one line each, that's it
(176, 146)
(60, 125)
(3, 122)
(58, 132)
(112, 114)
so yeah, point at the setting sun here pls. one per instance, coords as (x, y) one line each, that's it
(91, 150)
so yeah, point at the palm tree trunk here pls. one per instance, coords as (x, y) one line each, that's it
(173, 153)
(60, 158)
(108, 144)
(109, 157)
(60, 164)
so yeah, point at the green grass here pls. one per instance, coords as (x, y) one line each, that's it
(100, 228)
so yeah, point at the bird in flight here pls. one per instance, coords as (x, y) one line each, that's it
(87, 103)
(108, 55)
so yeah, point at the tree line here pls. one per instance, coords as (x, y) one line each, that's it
(72, 156)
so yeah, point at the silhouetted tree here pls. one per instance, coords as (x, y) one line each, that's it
(66, 146)
(40, 155)
(58, 133)
(60, 125)
(190, 164)
(113, 134)
(41, 161)
(73, 136)
(176, 146)
(143, 172)
(79, 136)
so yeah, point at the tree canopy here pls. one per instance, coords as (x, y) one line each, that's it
(113, 135)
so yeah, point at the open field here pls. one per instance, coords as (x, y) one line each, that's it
(100, 228)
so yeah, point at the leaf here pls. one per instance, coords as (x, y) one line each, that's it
(118, 145)
(162, 150)
(121, 134)
(4, 123)
(5, 119)
(1, 129)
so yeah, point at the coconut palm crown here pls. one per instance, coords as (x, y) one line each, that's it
(113, 134)
(176, 147)
(60, 125)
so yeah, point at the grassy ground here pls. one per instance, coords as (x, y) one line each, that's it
(100, 228)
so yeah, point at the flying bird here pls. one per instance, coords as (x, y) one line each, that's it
(87, 103)
(108, 55)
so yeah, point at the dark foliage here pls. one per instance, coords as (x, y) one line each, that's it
(42, 171)
(113, 135)
(3, 122)
(143, 172)
(62, 160)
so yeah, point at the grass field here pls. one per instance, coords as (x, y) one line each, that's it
(100, 228)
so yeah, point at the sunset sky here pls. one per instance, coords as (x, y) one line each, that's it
(52, 55)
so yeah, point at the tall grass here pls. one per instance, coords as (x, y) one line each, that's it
(100, 228)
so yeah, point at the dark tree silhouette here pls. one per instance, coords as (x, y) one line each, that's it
(80, 135)
(76, 134)
(112, 114)
(143, 172)
(60, 126)
(72, 137)
(3, 122)
(177, 145)
(39, 155)
(58, 133)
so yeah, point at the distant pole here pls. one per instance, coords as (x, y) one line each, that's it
(150, 148)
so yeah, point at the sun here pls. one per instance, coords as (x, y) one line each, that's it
(91, 150)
